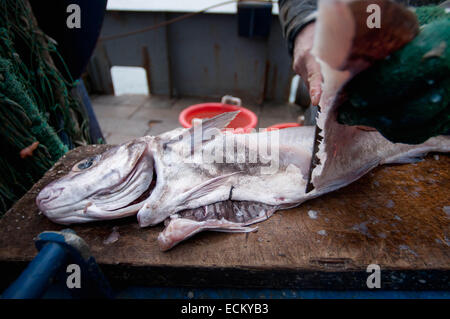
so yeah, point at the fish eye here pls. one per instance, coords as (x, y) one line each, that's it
(86, 163)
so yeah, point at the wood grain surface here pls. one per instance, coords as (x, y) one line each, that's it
(394, 216)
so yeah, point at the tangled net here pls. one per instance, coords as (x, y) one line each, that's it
(35, 104)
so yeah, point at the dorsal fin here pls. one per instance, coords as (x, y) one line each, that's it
(195, 137)
(217, 122)
(209, 127)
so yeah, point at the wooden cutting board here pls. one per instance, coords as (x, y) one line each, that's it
(394, 217)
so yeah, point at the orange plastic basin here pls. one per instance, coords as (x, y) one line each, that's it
(280, 126)
(245, 121)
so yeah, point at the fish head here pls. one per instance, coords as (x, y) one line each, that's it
(105, 186)
(153, 177)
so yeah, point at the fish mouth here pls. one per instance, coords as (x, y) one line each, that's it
(144, 174)
(147, 192)
(120, 200)
(47, 195)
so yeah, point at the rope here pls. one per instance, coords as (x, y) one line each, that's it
(36, 107)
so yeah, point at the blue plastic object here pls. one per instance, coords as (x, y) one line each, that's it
(35, 279)
(57, 250)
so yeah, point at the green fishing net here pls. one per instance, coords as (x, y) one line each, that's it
(35, 103)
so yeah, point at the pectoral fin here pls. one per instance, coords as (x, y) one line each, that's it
(206, 187)
(180, 229)
(226, 216)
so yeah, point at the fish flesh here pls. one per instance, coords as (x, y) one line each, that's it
(206, 178)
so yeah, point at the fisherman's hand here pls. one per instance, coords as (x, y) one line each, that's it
(306, 65)
(406, 96)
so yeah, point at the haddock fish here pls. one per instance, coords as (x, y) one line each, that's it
(205, 178)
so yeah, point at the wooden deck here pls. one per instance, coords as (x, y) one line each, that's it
(396, 216)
